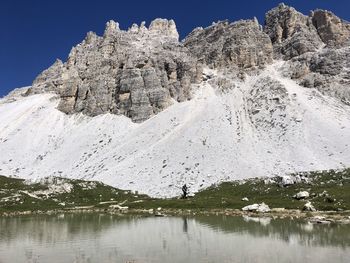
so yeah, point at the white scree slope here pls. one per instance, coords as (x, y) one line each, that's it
(264, 126)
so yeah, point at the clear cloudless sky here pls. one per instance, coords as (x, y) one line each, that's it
(36, 32)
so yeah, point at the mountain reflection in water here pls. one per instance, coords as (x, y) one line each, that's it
(87, 238)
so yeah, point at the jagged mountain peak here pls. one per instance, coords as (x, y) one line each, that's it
(163, 68)
(112, 27)
(158, 27)
(140, 110)
(285, 24)
(137, 72)
(331, 29)
(241, 44)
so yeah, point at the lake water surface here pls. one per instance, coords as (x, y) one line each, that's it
(90, 238)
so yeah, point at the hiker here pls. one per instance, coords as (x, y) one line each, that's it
(184, 191)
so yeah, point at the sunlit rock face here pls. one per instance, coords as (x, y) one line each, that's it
(316, 48)
(241, 44)
(331, 29)
(291, 32)
(230, 101)
(136, 73)
(142, 71)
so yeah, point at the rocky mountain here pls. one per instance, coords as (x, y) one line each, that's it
(141, 110)
(136, 73)
(240, 45)
(315, 46)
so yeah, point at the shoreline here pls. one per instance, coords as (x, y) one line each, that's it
(316, 217)
(321, 197)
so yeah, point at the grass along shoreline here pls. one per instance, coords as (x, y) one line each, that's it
(329, 193)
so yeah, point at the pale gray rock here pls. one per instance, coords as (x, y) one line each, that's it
(267, 105)
(260, 208)
(308, 206)
(14, 95)
(317, 47)
(118, 207)
(287, 180)
(137, 73)
(331, 29)
(241, 44)
(252, 207)
(302, 195)
(142, 71)
(291, 32)
(294, 34)
(164, 27)
(327, 71)
(320, 220)
(49, 79)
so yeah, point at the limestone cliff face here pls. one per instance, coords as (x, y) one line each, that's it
(272, 99)
(294, 34)
(316, 48)
(137, 73)
(142, 71)
(291, 32)
(241, 44)
(331, 29)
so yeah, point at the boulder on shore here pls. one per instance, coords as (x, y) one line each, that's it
(309, 207)
(302, 195)
(260, 208)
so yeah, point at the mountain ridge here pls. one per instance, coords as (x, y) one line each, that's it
(139, 72)
(140, 110)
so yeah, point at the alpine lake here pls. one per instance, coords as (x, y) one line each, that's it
(105, 238)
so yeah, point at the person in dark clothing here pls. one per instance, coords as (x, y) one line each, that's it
(184, 191)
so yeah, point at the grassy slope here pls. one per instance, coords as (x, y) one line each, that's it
(225, 195)
(230, 194)
(79, 196)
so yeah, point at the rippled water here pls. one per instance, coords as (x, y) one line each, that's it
(103, 238)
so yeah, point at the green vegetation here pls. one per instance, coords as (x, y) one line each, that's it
(57, 193)
(329, 190)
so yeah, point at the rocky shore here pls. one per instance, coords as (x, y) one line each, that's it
(318, 217)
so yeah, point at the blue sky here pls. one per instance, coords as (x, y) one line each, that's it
(34, 33)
